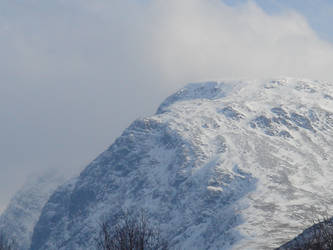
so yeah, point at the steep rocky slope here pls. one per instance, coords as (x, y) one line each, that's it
(318, 236)
(221, 165)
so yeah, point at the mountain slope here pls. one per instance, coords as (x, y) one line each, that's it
(24, 209)
(240, 164)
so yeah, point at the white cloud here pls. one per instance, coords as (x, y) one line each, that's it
(207, 40)
(75, 73)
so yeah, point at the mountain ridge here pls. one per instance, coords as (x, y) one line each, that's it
(20, 216)
(220, 165)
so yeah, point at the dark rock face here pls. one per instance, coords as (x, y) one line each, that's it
(301, 121)
(294, 121)
(280, 112)
(231, 113)
(318, 236)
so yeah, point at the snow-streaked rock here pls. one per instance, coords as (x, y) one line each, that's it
(318, 236)
(24, 209)
(222, 165)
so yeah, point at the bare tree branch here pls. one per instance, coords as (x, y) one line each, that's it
(133, 232)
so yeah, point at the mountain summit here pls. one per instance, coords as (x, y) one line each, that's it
(221, 165)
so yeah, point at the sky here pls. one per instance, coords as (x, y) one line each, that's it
(75, 73)
(318, 13)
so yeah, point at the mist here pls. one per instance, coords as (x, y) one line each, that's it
(74, 74)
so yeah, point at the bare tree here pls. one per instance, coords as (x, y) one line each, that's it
(131, 233)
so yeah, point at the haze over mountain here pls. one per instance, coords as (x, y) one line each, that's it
(221, 165)
(75, 73)
(19, 218)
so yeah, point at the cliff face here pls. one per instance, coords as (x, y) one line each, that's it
(242, 165)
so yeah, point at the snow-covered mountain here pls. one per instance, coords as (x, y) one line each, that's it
(318, 236)
(24, 209)
(221, 165)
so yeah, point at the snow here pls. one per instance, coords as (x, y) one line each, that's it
(24, 209)
(238, 164)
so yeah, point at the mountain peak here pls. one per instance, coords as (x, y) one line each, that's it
(251, 89)
(231, 164)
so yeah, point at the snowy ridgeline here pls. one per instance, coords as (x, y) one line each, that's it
(19, 218)
(230, 165)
